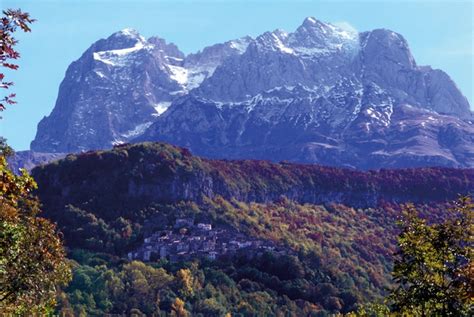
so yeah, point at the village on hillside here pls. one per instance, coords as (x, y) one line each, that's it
(186, 240)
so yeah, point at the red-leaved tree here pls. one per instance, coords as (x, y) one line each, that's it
(11, 20)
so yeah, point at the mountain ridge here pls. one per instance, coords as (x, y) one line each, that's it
(335, 96)
(169, 174)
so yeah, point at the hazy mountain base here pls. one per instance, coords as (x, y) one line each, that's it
(31, 159)
(109, 201)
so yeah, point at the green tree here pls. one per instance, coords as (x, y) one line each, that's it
(371, 310)
(138, 286)
(433, 264)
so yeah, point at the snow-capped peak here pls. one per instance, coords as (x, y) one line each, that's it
(131, 33)
(312, 23)
(321, 31)
(310, 20)
(314, 37)
(118, 57)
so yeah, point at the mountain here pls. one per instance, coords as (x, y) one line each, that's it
(322, 94)
(332, 230)
(118, 88)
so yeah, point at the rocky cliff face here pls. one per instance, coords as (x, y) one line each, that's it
(321, 94)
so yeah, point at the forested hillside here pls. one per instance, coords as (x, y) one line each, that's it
(159, 172)
(337, 225)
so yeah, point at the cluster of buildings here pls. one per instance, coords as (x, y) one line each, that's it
(187, 240)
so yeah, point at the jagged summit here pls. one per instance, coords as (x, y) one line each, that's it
(311, 24)
(323, 93)
(119, 40)
(128, 32)
(127, 35)
(310, 21)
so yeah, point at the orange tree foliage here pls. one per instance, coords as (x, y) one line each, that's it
(178, 309)
(32, 258)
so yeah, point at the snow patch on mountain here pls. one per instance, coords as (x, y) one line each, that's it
(240, 45)
(119, 57)
(161, 107)
(137, 131)
(279, 44)
(178, 74)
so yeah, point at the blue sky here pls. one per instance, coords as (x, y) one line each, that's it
(440, 34)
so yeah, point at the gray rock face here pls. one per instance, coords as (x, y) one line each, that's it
(322, 94)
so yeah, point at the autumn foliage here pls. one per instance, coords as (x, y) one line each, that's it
(11, 20)
(340, 224)
(32, 258)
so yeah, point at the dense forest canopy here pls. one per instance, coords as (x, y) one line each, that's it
(159, 172)
(338, 225)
